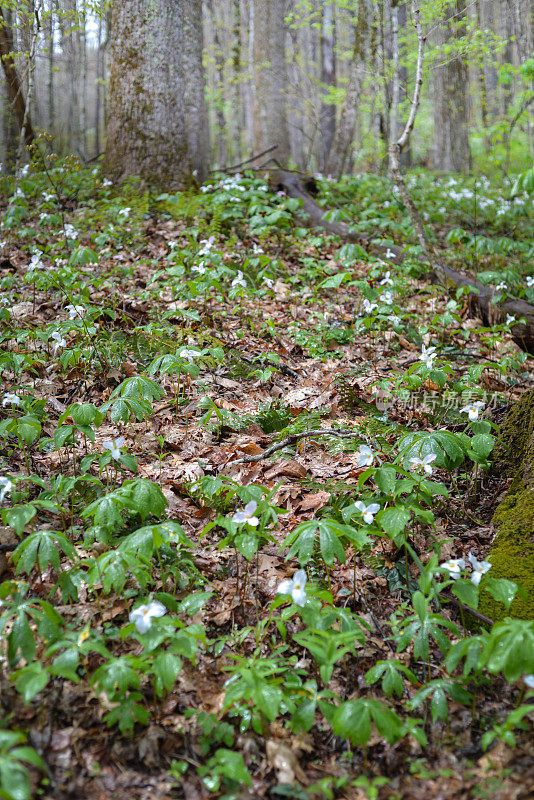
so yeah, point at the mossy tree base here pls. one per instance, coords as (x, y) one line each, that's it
(512, 553)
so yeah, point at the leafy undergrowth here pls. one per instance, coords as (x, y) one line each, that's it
(246, 498)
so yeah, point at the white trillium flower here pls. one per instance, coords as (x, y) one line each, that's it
(59, 341)
(510, 319)
(296, 587)
(257, 250)
(268, 281)
(368, 307)
(454, 567)
(424, 462)
(479, 568)
(125, 212)
(529, 680)
(364, 456)
(6, 486)
(48, 196)
(473, 410)
(200, 268)
(189, 354)
(247, 515)
(530, 281)
(75, 311)
(10, 399)
(35, 262)
(106, 182)
(206, 245)
(428, 354)
(70, 231)
(390, 253)
(501, 287)
(386, 280)
(142, 615)
(394, 319)
(114, 447)
(386, 298)
(368, 512)
(239, 281)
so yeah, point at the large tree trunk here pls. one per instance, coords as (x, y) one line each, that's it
(14, 86)
(157, 127)
(451, 97)
(341, 147)
(270, 79)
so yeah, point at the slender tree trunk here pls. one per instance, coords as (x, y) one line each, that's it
(82, 38)
(50, 116)
(194, 89)
(451, 97)
(235, 85)
(328, 79)
(270, 78)
(296, 107)
(341, 146)
(13, 82)
(482, 88)
(98, 86)
(219, 95)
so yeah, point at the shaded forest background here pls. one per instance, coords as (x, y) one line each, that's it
(277, 74)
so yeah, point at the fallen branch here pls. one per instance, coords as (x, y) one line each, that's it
(295, 437)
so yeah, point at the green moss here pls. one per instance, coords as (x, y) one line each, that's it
(516, 437)
(512, 554)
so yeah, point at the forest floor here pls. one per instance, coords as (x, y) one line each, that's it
(276, 346)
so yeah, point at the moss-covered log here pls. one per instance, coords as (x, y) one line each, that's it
(512, 552)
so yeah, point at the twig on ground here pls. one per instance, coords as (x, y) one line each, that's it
(295, 438)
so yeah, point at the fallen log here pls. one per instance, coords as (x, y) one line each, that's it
(479, 298)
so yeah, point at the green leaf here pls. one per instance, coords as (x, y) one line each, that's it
(394, 521)
(501, 590)
(247, 544)
(19, 516)
(232, 765)
(268, 699)
(483, 444)
(466, 592)
(166, 668)
(352, 721)
(385, 478)
(30, 680)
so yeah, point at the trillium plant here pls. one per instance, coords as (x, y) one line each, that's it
(364, 456)
(425, 463)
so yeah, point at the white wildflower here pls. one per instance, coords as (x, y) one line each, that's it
(473, 410)
(114, 447)
(454, 567)
(425, 462)
(10, 399)
(75, 311)
(510, 319)
(70, 231)
(6, 486)
(386, 280)
(59, 341)
(428, 354)
(479, 568)
(296, 587)
(239, 281)
(247, 515)
(364, 456)
(142, 615)
(368, 512)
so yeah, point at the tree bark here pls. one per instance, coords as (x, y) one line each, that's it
(157, 121)
(270, 79)
(328, 79)
(14, 86)
(451, 97)
(341, 146)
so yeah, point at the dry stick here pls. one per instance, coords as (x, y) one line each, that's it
(249, 160)
(294, 438)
